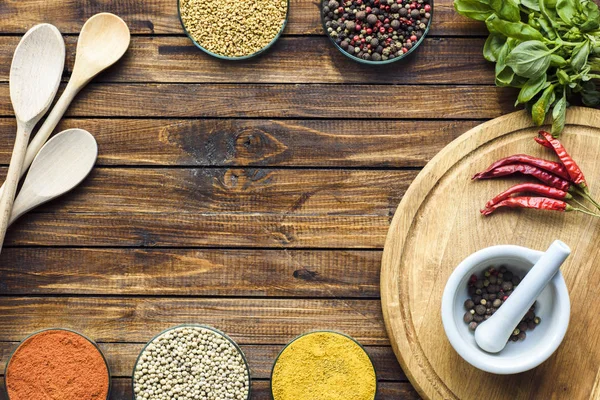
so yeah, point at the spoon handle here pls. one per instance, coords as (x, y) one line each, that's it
(12, 178)
(47, 127)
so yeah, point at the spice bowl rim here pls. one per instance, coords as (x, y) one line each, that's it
(388, 61)
(211, 328)
(241, 58)
(323, 331)
(59, 329)
(496, 363)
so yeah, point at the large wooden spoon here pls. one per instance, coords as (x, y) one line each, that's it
(35, 74)
(62, 163)
(103, 40)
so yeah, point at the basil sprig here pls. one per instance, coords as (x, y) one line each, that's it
(549, 49)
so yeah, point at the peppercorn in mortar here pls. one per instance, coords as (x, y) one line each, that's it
(233, 28)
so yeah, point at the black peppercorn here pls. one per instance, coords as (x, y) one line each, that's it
(468, 317)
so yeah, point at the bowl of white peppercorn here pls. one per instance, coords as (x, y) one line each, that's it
(196, 361)
(545, 327)
(233, 30)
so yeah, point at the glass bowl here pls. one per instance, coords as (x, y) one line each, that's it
(388, 61)
(323, 331)
(66, 330)
(210, 328)
(222, 57)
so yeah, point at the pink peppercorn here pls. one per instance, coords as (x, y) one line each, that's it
(427, 8)
(413, 38)
(358, 27)
(404, 49)
(382, 29)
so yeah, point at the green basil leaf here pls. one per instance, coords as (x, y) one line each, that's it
(557, 61)
(547, 28)
(592, 16)
(504, 74)
(531, 4)
(507, 9)
(580, 56)
(559, 115)
(542, 105)
(492, 47)
(474, 9)
(546, 9)
(566, 10)
(516, 30)
(529, 59)
(531, 88)
(563, 77)
(550, 3)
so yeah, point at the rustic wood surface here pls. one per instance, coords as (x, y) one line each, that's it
(442, 208)
(253, 196)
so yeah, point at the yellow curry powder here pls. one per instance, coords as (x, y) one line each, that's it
(323, 366)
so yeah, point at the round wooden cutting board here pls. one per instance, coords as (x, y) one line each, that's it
(438, 224)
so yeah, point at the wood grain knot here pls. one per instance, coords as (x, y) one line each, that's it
(253, 145)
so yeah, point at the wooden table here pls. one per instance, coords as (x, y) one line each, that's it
(252, 196)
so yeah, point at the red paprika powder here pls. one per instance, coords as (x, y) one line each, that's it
(57, 365)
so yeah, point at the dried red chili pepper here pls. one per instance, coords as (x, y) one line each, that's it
(536, 188)
(543, 142)
(550, 166)
(541, 175)
(570, 164)
(539, 203)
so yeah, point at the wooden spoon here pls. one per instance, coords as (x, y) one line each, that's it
(35, 74)
(103, 40)
(62, 163)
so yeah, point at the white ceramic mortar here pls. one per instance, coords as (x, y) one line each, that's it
(553, 307)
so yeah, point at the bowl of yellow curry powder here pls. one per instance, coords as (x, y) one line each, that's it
(323, 365)
(233, 29)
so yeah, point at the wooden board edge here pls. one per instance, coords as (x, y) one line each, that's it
(395, 313)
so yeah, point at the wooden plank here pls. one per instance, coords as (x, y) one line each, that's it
(182, 272)
(177, 60)
(121, 390)
(236, 190)
(286, 101)
(304, 143)
(199, 230)
(122, 357)
(160, 16)
(135, 319)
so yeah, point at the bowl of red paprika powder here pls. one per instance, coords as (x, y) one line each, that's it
(59, 361)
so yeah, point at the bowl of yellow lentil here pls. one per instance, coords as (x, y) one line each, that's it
(323, 365)
(233, 29)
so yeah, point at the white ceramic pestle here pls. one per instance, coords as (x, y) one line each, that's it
(493, 334)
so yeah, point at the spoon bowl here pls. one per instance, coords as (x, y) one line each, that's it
(63, 162)
(35, 72)
(103, 40)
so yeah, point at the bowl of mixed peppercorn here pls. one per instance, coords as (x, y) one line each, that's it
(376, 31)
